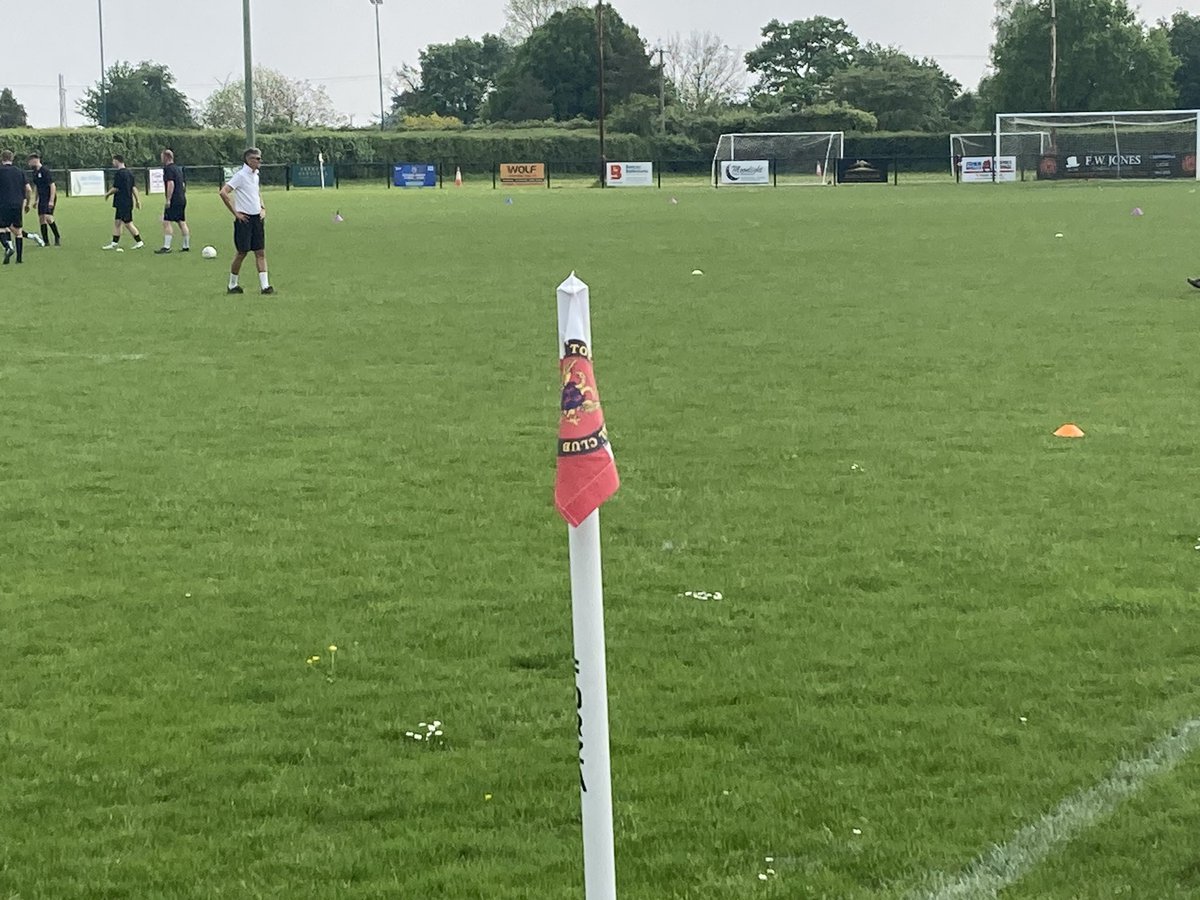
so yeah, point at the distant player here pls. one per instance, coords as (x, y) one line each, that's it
(176, 209)
(15, 196)
(125, 197)
(47, 199)
(242, 198)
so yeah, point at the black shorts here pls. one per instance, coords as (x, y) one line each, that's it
(123, 213)
(10, 217)
(45, 207)
(248, 236)
(175, 212)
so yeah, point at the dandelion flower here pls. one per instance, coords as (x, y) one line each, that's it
(333, 648)
(762, 876)
(487, 796)
(856, 831)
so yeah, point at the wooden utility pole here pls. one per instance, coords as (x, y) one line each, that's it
(662, 93)
(600, 54)
(1053, 56)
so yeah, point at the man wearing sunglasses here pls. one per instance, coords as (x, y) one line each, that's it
(242, 198)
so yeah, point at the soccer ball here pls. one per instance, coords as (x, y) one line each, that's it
(209, 252)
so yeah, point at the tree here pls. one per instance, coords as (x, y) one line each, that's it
(144, 94)
(12, 113)
(280, 103)
(456, 78)
(904, 93)
(521, 17)
(704, 72)
(559, 63)
(1107, 59)
(1184, 38)
(966, 115)
(404, 86)
(795, 61)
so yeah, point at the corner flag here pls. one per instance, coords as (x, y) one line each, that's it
(585, 478)
(587, 473)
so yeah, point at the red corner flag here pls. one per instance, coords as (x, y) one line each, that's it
(587, 473)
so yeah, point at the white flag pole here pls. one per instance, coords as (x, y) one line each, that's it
(591, 684)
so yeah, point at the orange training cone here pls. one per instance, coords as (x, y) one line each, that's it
(458, 176)
(1069, 430)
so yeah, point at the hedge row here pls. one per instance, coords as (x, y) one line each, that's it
(473, 150)
(141, 146)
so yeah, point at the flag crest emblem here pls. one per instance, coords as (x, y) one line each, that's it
(587, 473)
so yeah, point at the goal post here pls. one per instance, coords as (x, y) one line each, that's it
(983, 143)
(1156, 143)
(794, 157)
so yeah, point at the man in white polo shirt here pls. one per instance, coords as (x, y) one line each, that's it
(243, 199)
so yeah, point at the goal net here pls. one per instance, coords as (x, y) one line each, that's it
(794, 157)
(1031, 144)
(1139, 144)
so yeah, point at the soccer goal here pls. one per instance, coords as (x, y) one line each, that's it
(983, 143)
(783, 157)
(1132, 144)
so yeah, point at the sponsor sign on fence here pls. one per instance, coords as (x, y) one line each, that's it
(1118, 165)
(980, 168)
(307, 175)
(154, 181)
(522, 173)
(630, 174)
(745, 171)
(855, 170)
(416, 175)
(87, 183)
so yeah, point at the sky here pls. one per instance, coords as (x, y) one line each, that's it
(333, 43)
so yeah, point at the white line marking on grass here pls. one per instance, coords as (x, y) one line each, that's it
(44, 355)
(1006, 864)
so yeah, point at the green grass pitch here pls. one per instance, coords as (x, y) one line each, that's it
(937, 620)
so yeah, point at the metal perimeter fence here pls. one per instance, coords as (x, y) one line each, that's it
(663, 173)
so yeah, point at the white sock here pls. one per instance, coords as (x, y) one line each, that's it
(232, 280)
(187, 238)
(167, 241)
(262, 280)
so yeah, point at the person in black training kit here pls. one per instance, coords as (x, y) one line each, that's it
(15, 195)
(176, 209)
(125, 197)
(47, 198)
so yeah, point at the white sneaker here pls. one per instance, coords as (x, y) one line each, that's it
(36, 238)
(139, 245)
(111, 245)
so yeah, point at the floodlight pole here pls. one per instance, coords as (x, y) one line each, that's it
(379, 57)
(103, 74)
(600, 54)
(249, 77)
